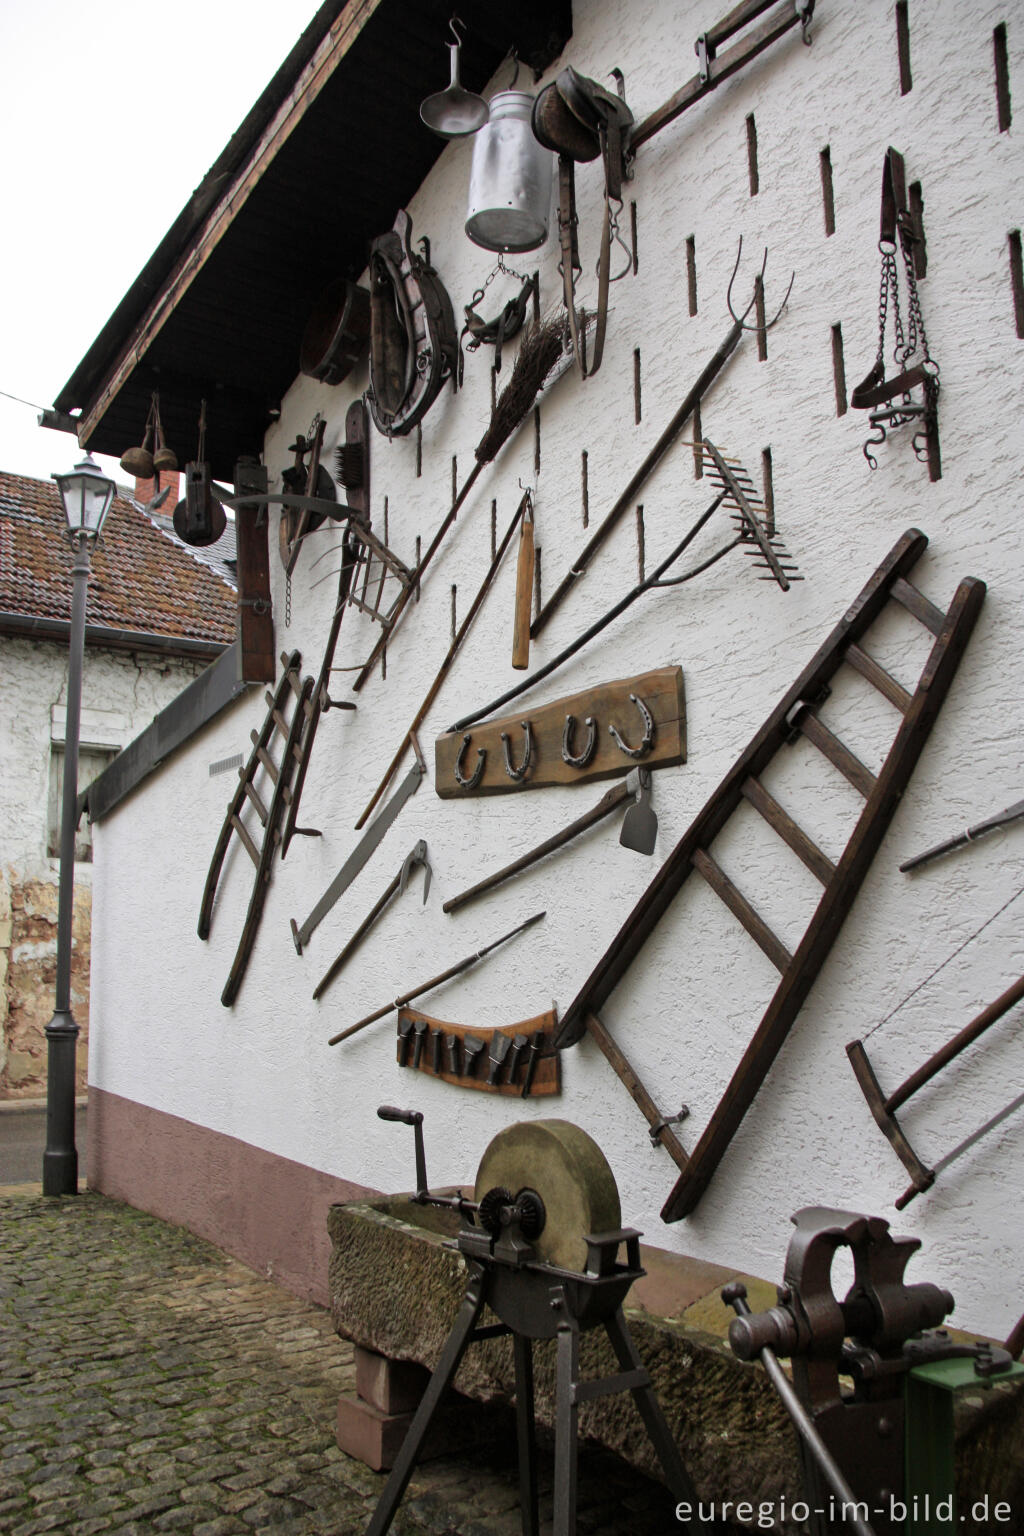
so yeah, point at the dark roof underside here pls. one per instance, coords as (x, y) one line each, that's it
(358, 154)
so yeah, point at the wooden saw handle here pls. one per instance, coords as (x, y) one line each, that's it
(524, 594)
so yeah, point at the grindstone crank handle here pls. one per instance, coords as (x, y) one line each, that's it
(735, 1295)
(413, 1117)
(456, 1202)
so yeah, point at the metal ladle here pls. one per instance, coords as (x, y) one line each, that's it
(454, 113)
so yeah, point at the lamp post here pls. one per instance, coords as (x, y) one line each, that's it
(87, 495)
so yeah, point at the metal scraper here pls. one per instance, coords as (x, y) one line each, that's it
(640, 824)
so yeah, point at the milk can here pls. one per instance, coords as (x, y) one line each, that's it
(510, 180)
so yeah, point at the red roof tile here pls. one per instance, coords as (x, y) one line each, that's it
(140, 581)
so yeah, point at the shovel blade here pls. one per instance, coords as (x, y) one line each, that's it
(640, 824)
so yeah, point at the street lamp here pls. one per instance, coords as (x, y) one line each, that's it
(87, 495)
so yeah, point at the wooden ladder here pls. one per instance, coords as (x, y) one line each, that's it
(262, 838)
(793, 716)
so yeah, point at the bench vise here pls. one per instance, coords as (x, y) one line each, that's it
(850, 1358)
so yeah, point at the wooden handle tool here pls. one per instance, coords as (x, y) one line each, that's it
(524, 593)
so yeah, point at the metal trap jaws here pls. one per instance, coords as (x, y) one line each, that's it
(541, 1239)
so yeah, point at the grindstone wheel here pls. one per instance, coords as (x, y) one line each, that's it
(569, 1172)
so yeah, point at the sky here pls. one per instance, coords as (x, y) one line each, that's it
(111, 113)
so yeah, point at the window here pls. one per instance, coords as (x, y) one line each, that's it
(100, 733)
(91, 763)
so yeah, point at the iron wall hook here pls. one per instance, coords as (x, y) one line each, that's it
(474, 778)
(647, 740)
(589, 746)
(518, 774)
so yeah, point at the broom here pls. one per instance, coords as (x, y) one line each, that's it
(536, 367)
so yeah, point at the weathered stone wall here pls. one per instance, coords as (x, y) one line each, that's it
(28, 963)
(121, 692)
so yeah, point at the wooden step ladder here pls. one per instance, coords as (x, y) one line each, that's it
(260, 837)
(794, 716)
(360, 548)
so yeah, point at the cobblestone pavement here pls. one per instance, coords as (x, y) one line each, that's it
(149, 1383)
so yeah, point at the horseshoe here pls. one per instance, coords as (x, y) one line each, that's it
(518, 773)
(474, 778)
(648, 737)
(589, 747)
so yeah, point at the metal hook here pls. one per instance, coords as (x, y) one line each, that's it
(474, 778)
(648, 737)
(805, 10)
(739, 319)
(589, 746)
(874, 442)
(452, 24)
(618, 240)
(518, 774)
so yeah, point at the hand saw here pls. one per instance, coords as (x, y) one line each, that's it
(361, 853)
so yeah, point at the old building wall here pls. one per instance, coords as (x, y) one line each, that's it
(120, 695)
(917, 955)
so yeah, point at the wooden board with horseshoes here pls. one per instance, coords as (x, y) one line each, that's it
(591, 735)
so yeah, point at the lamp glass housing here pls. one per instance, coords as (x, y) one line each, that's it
(87, 495)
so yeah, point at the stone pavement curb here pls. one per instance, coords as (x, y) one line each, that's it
(150, 1383)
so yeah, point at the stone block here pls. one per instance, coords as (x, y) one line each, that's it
(391, 1386)
(375, 1438)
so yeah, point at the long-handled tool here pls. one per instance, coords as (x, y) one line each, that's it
(884, 1109)
(1002, 819)
(435, 981)
(360, 854)
(754, 531)
(536, 367)
(416, 855)
(668, 437)
(524, 594)
(442, 671)
(639, 831)
(716, 67)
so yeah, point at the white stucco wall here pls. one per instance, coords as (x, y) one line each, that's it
(263, 1072)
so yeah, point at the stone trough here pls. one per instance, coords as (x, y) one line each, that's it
(396, 1284)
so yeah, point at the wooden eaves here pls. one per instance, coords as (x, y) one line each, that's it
(331, 149)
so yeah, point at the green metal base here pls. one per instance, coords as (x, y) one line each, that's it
(930, 1491)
